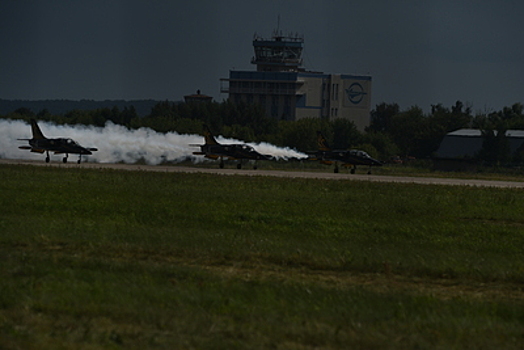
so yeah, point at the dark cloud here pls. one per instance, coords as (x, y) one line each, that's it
(418, 52)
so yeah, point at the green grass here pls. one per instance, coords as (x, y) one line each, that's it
(96, 259)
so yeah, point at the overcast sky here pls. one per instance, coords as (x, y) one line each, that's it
(417, 52)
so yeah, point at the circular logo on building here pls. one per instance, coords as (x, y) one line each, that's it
(355, 93)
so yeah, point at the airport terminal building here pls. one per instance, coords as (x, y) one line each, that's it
(289, 92)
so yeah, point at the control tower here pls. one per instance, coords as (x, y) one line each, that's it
(280, 54)
(287, 91)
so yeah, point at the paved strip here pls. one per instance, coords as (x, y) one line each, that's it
(279, 173)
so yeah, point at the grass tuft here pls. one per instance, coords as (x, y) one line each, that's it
(115, 259)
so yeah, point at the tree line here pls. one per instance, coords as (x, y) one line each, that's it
(392, 131)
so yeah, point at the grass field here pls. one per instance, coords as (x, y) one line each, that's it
(104, 259)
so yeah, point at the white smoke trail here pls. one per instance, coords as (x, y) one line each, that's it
(116, 143)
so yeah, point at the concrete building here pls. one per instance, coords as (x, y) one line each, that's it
(197, 98)
(467, 143)
(459, 149)
(287, 91)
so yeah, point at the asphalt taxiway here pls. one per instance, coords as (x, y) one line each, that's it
(212, 169)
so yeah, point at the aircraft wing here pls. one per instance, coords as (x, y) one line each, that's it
(36, 150)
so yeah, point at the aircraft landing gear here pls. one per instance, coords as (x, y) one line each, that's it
(239, 166)
(352, 171)
(336, 168)
(64, 160)
(221, 165)
(47, 159)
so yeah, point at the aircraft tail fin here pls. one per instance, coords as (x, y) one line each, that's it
(208, 136)
(37, 133)
(322, 143)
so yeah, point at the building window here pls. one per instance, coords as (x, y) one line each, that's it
(301, 101)
(287, 112)
(233, 87)
(335, 92)
(274, 111)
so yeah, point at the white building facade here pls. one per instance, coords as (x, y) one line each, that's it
(288, 92)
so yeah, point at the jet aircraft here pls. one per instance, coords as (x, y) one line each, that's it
(348, 158)
(40, 144)
(214, 150)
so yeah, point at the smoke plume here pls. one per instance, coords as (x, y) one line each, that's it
(117, 143)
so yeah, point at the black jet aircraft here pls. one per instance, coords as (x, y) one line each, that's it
(40, 144)
(348, 158)
(214, 150)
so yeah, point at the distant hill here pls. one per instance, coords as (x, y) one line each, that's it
(142, 107)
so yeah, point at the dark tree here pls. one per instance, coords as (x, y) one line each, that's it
(382, 116)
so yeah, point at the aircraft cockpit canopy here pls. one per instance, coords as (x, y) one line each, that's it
(247, 148)
(70, 142)
(362, 154)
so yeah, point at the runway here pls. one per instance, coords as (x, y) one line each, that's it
(213, 169)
